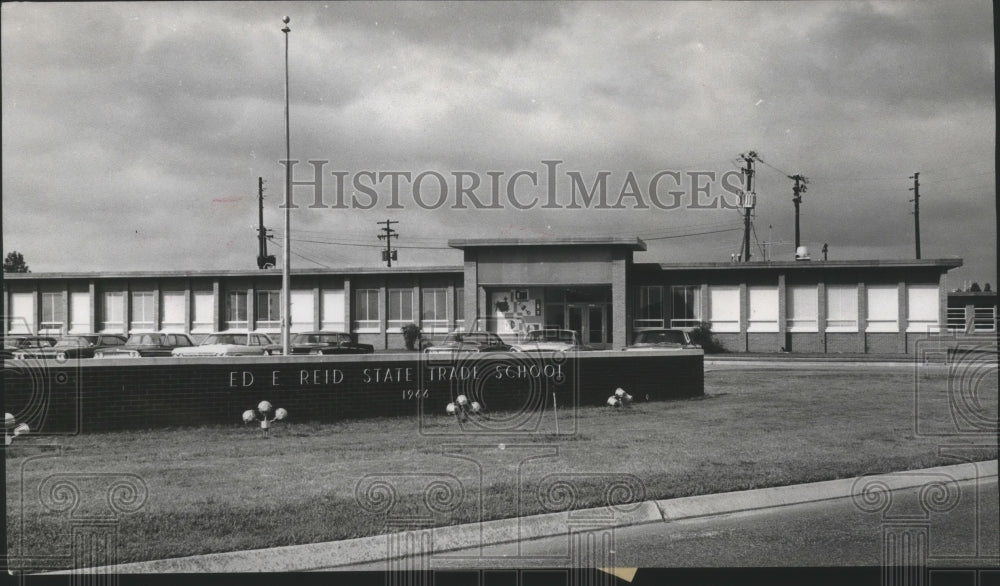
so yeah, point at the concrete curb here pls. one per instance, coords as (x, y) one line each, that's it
(780, 496)
(330, 555)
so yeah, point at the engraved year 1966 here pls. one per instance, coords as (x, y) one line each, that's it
(415, 394)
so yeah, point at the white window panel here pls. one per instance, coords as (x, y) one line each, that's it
(113, 316)
(763, 309)
(367, 314)
(922, 308)
(203, 312)
(803, 308)
(302, 311)
(53, 313)
(142, 311)
(172, 311)
(434, 313)
(79, 312)
(724, 308)
(333, 311)
(400, 307)
(883, 308)
(22, 313)
(842, 308)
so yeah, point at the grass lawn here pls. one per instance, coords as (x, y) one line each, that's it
(213, 489)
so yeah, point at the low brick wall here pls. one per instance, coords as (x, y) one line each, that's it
(103, 395)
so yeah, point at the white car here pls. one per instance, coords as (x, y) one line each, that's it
(550, 341)
(228, 344)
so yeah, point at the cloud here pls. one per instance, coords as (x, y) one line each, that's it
(125, 124)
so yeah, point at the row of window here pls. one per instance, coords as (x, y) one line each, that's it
(399, 306)
(680, 306)
(434, 315)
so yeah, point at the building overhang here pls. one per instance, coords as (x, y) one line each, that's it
(943, 264)
(631, 243)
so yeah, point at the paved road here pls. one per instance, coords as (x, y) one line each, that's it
(828, 533)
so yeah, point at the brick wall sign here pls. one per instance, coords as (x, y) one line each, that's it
(103, 395)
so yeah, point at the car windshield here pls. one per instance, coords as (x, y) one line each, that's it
(320, 338)
(551, 336)
(35, 342)
(661, 337)
(235, 339)
(76, 342)
(144, 340)
(469, 338)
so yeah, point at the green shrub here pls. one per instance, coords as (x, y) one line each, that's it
(702, 335)
(411, 333)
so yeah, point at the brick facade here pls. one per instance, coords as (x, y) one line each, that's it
(104, 395)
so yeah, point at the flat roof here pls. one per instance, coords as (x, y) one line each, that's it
(234, 273)
(944, 263)
(630, 242)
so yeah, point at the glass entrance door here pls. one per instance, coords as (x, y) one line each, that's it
(589, 320)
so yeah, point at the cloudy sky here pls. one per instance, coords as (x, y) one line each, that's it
(133, 134)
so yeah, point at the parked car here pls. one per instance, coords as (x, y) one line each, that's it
(457, 342)
(77, 346)
(662, 339)
(551, 340)
(147, 345)
(12, 344)
(227, 344)
(325, 343)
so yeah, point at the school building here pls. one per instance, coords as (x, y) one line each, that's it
(512, 286)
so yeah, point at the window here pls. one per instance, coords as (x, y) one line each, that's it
(434, 310)
(302, 311)
(883, 308)
(114, 312)
(686, 306)
(203, 311)
(236, 310)
(22, 313)
(763, 309)
(724, 308)
(921, 308)
(366, 314)
(142, 314)
(172, 312)
(268, 310)
(79, 312)
(460, 308)
(803, 308)
(841, 308)
(333, 311)
(53, 313)
(649, 310)
(400, 307)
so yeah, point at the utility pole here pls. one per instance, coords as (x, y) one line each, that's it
(264, 260)
(798, 190)
(749, 200)
(916, 209)
(388, 255)
(286, 289)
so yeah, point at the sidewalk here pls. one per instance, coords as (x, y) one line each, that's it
(331, 555)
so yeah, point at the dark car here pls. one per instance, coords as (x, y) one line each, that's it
(79, 346)
(325, 343)
(12, 344)
(146, 345)
(457, 342)
(663, 339)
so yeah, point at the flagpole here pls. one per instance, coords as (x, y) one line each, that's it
(286, 301)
